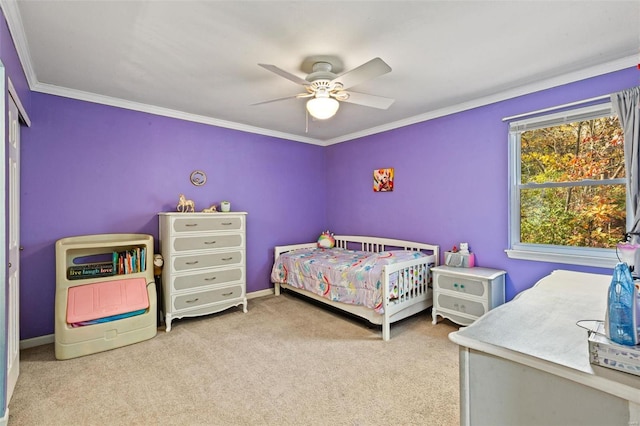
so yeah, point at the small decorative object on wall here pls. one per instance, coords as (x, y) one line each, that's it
(383, 180)
(211, 209)
(185, 205)
(198, 178)
(225, 206)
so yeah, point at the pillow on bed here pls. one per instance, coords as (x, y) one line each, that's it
(326, 240)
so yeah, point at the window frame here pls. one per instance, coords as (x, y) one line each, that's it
(584, 256)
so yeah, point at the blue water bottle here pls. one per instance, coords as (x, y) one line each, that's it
(621, 307)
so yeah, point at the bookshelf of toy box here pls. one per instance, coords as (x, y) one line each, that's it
(70, 341)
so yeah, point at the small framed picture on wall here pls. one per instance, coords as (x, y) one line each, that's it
(383, 180)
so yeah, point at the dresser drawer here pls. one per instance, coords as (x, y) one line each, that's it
(461, 284)
(207, 297)
(204, 224)
(452, 303)
(207, 242)
(209, 260)
(221, 276)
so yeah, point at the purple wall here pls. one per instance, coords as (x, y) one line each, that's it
(89, 168)
(450, 180)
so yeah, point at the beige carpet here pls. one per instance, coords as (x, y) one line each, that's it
(285, 362)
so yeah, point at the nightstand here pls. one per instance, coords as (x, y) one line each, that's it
(465, 294)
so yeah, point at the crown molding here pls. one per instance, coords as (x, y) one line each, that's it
(14, 22)
(166, 112)
(615, 65)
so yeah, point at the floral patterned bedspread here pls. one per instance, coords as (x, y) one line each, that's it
(346, 276)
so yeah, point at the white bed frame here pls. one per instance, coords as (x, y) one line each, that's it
(394, 310)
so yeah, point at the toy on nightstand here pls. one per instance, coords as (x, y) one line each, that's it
(211, 209)
(460, 257)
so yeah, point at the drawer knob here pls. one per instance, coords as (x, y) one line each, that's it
(227, 223)
(227, 294)
(210, 278)
(190, 224)
(192, 300)
(227, 258)
(192, 262)
(210, 242)
(455, 284)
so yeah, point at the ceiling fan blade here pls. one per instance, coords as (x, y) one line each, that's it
(285, 74)
(367, 71)
(299, 95)
(369, 100)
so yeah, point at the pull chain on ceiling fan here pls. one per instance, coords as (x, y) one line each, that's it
(327, 89)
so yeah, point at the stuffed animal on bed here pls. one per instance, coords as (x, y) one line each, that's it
(326, 240)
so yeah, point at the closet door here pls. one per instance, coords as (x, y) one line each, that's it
(13, 318)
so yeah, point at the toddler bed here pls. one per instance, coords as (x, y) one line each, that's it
(382, 280)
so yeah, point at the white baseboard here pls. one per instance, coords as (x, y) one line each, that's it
(50, 338)
(37, 341)
(260, 293)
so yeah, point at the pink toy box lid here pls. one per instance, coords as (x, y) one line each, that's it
(99, 300)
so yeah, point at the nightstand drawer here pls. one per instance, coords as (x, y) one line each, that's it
(215, 277)
(461, 284)
(207, 242)
(187, 263)
(464, 306)
(203, 224)
(206, 297)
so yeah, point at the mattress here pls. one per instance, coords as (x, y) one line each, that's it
(106, 299)
(347, 276)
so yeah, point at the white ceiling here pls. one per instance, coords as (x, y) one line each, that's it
(197, 60)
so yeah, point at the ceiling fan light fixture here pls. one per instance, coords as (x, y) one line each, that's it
(322, 107)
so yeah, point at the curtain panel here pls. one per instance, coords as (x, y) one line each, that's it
(627, 105)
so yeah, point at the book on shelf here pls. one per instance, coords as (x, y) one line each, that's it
(90, 270)
(130, 261)
(123, 262)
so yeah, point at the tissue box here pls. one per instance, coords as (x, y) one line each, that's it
(605, 353)
(459, 260)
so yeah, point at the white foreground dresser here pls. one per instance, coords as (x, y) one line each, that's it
(204, 263)
(526, 362)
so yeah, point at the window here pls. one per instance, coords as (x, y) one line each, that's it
(567, 184)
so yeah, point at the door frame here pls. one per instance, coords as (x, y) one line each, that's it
(8, 89)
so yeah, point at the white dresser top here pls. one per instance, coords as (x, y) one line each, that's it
(539, 326)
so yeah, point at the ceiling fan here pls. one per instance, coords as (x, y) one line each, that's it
(327, 89)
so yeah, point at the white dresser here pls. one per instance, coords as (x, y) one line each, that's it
(526, 362)
(465, 294)
(204, 263)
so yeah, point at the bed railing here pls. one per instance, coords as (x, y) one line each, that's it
(370, 244)
(376, 245)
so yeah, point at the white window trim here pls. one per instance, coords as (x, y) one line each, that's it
(583, 256)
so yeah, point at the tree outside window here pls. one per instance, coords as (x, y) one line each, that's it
(568, 187)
